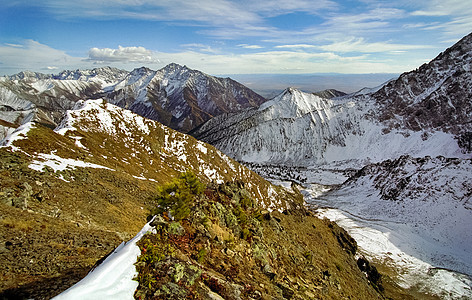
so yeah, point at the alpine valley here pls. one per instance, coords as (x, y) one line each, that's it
(232, 196)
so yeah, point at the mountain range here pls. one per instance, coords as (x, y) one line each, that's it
(410, 138)
(175, 95)
(83, 152)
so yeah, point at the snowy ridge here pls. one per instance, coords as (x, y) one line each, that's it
(434, 96)
(96, 123)
(297, 128)
(174, 95)
(180, 97)
(420, 113)
(407, 207)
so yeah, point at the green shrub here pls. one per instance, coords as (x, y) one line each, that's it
(177, 196)
(202, 254)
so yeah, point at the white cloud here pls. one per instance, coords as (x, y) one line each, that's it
(32, 55)
(360, 45)
(216, 12)
(279, 7)
(200, 47)
(122, 54)
(246, 46)
(295, 46)
(459, 13)
(278, 62)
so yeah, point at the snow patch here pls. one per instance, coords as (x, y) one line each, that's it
(19, 134)
(60, 164)
(113, 278)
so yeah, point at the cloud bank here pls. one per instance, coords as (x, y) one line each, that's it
(122, 54)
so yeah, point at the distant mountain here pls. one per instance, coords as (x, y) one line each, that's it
(180, 97)
(175, 95)
(330, 93)
(30, 96)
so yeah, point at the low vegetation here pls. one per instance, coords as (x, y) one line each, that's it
(225, 246)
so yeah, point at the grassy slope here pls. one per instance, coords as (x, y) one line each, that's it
(87, 212)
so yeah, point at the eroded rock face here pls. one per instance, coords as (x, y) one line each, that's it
(434, 96)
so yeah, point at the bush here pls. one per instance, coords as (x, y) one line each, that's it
(177, 196)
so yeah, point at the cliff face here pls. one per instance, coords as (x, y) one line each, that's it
(435, 96)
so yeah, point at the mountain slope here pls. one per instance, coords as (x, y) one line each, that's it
(435, 96)
(80, 190)
(301, 129)
(28, 96)
(330, 93)
(416, 214)
(404, 207)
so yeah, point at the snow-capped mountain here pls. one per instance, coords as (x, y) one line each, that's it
(330, 93)
(421, 113)
(413, 214)
(175, 95)
(301, 129)
(180, 97)
(411, 137)
(29, 96)
(436, 96)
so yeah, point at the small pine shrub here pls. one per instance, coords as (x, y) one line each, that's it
(178, 195)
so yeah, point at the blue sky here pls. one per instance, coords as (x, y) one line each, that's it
(229, 37)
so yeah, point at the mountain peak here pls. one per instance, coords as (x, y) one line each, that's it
(173, 67)
(29, 75)
(292, 102)
(108, 74)
(416, 100)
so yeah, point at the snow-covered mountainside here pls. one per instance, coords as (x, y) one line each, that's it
(175, 95)
(436, 96)
(301, 129)
(424, 112)
(29, 96)
(410, 137)
(180, 97)
(330, 93)
(416, 214)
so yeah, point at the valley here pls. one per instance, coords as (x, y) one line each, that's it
(287, 181)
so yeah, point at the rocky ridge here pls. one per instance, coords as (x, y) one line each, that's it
(90, 179)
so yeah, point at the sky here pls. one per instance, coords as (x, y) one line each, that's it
(229, 37)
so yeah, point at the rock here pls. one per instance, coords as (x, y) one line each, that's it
(287, 292)
(214, 296)
(269, 272)
(159, 221)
